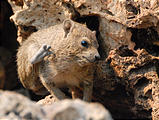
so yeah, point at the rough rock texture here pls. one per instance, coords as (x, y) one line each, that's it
(128, 34)
(38, 12)
(16, 106)
(138, 73)
(47, 100)
(77, 109)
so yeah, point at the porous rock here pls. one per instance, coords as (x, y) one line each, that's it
(16, 106)
(134, 23)
(76, 110)
(138, 72)
(38, 12)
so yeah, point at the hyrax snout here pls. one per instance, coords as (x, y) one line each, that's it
(59, 56)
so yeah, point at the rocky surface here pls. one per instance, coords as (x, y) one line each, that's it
(126, 79)
(76, 110)
(16, 106)
(138, 72)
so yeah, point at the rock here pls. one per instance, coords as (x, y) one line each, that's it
(50, 10)
(16, 4)
(33, 21)
(16, 106)
(76, 110)
(48, 100)
(126, 83)
(114, 35)
(127, 65)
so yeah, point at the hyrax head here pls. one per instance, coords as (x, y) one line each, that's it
(81, 42)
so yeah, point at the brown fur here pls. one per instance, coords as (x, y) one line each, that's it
(72, 65)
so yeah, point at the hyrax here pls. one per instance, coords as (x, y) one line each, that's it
(59, 56)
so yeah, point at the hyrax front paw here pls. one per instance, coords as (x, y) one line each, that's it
(41, 53)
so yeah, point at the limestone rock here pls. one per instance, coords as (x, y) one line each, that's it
(76, 110)
(16, 106)
(40, 14)
(16, 5)
(47, 100)
(127, 82)
(139, 73)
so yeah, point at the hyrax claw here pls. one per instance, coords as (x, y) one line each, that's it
(41, 53)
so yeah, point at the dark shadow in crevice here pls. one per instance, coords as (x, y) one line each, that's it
(124, 51)
(148, 94)
(157, 68)
(8, 30)
(143, 82)
(8, 43)
(120, 103)
(131, 8)
(144, 113)
(147, 39)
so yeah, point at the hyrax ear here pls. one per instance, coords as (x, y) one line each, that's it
(67, 26)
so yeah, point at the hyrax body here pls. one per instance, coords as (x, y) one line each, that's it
(59, 56)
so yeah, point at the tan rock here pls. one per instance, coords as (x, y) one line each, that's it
(16, 106)
(76, 110)
(126, 64)
(40, 14)
(48, 100)
(121, 22)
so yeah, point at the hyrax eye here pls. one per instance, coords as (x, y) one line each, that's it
(84, 43)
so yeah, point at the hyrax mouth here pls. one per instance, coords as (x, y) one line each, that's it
(89, 60)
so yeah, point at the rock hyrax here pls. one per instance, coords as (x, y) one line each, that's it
(59, 56)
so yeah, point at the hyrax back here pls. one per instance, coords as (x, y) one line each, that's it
(59, 56)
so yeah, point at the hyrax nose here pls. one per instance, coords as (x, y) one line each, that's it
(97, 56)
